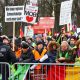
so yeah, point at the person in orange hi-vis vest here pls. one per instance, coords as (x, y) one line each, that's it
(18, 47)
(39, 52)
(18, 53)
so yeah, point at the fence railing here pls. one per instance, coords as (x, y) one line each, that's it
(45, 71)
(4, 71)
(39, 71)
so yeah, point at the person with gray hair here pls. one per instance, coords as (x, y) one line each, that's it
(64, 53)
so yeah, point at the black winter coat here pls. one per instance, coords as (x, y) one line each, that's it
(6, 54)
(27, 57)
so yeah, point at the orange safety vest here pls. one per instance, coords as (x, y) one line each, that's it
(38, 56)
(18, 53)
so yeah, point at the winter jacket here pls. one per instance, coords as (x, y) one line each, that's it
(66, 54)
(27, 57)
(39, 54)
(6, 54)
(51, 56)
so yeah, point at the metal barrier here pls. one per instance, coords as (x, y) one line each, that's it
(43, 71)
(4, 71)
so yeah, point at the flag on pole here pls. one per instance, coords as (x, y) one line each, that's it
(21, 32)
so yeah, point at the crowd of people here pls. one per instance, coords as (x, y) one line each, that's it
(37, 50)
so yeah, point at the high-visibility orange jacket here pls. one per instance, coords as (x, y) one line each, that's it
(18, 53)
(37, 55)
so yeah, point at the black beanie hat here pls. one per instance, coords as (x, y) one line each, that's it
(39, 42)
(24, 45)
